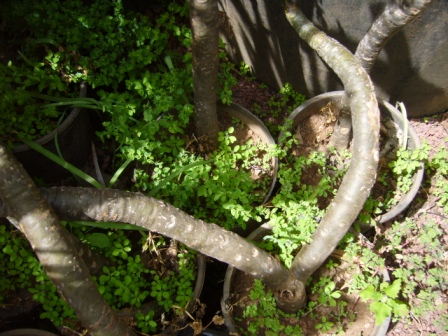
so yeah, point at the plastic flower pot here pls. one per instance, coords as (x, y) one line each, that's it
(257, 235)
(73, 137)
(129, 313)
(261, 131)
(200, 277)
(387, 111)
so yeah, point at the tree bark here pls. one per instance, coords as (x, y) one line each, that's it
(155, 215)
(396, 15)
(53, 247)
(204, 28)
(360, 177)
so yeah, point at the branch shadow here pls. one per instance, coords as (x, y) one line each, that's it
(258, 33)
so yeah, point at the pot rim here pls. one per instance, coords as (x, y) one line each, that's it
(61, 128)
(397, 117)
(256, 235)
(258, 127)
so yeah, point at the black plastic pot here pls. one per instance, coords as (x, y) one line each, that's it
(305, 110)
(73, 136)
(257, 236)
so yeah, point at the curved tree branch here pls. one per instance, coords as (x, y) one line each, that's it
(396, 15)
(360, 177)
(155, 215)
(53, 247)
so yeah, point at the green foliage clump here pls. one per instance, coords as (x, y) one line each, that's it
(125, 283)
(295, 211)
(218, 189)
(420, 255)
(438, 167)
(263, 314)
(20, 268)
(18, 264)
(385, 300)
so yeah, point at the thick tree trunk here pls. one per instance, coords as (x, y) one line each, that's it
(53, 247)
(94, 260)
(204, 27)
(360, 177)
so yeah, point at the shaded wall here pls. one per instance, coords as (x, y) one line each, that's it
(413, 66)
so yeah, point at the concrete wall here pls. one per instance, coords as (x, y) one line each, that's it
(413, 66)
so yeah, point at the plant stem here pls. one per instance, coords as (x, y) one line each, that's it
(60, 161)
(396, 15)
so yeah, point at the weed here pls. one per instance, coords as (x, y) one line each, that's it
(438, 167)
(420, 255)
(385, 300)
(245, 71)
(264, 314)
(126, 283)
(18, 265)
(220, 189)
(329, 293)
(324, 325)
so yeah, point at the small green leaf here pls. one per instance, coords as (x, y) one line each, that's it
(381, 311)
(336, 294)
(399, 308)
(7, 249)
(393, 289)
(367, 293)
(98, 239)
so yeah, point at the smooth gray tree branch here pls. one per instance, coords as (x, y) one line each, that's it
(158, 216)
(396, 15)
(50, 241)
(360, 177)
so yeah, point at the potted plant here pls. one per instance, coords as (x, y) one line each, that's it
(27, 115)
(335, 305)
(287, 284)
(120, 109)
(335, 106)
(397, 134)
(277, 278)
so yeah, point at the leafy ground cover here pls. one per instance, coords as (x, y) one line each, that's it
(414, 246)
